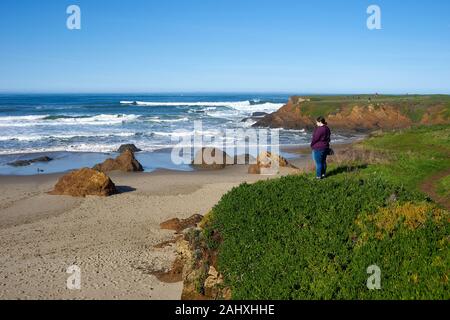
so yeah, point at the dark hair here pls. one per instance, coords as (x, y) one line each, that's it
(322, 120)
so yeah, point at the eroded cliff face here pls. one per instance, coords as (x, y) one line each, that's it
(370, 118)
(289, 117)
(363, 116)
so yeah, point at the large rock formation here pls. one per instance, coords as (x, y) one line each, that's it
(268, 160)
(288, 117)
(211, 158)
(126, 162)
(85, 182)
(360, 113)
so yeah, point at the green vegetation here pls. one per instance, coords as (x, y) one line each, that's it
(297, 238)
(444, 187)
(415, 154)
(283, 241)
(413, 100)
(413, 106)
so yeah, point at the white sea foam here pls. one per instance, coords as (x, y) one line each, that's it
(264, 107)
(92, 133)
(101, 148)
(239, 105)
(158, 120)
(20, 138)
(38, 137)
(295, 130)
(189, 104)
(45, 120)
(223, 114)
(22, 118)
(172, 134)
(84, 147)
(182, 133)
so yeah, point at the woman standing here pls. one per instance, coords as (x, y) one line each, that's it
(321, 147)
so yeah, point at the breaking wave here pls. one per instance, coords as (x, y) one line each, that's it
(48, 120)
(247, 105)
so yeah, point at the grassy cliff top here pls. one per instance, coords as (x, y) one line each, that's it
(374, 98)
(412, 105)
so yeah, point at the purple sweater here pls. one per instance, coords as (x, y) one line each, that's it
(321, 138)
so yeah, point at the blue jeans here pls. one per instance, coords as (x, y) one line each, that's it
(320, 158)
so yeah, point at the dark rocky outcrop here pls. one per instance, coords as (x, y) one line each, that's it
(211, 158)
(130, 147)
(24, 163)
(255, 116)
(126, 162)
(180, 225)
(259, 114)
(85, 182)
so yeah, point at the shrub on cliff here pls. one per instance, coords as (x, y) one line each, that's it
(294, 238)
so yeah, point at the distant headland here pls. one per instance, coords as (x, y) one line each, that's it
(361, 113)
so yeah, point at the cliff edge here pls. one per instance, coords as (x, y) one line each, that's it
(361, 113)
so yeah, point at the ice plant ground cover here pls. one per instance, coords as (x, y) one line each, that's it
(296, 238)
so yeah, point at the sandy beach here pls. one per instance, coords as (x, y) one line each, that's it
(111, 239)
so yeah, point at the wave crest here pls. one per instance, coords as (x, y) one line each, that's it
(239, 105)
(47, 120)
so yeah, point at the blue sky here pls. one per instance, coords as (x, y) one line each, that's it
(289, 46)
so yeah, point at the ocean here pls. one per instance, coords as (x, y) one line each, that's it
(82, 129)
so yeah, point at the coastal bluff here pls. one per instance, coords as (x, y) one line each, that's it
(360, 113)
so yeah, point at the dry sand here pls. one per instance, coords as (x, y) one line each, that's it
(111, 239)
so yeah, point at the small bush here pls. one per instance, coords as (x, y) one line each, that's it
(294, 238)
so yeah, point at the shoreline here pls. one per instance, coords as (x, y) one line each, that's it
(152, 162)
(113, 240)
(66, 161)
